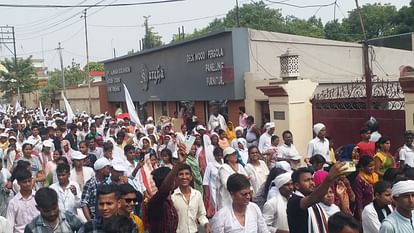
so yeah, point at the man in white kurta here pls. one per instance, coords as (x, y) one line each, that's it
(320, 144)
(265, 140)
(216, 120)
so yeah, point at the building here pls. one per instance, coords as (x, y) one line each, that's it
(225, 68)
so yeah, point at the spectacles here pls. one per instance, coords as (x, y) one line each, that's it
(129, 200)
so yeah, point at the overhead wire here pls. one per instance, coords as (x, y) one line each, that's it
(88, 5)
(300, 6)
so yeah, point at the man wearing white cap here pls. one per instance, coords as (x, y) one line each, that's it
(319, 145)
(402, 219)
(265, 140)
(89, 203)
(216, 120)
(118, 172)
(274, 210)
(79, 173)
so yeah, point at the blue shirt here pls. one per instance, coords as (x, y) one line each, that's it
(396, 223)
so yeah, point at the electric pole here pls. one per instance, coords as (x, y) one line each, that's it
(87, 62)
(61, 67)
(7, 36)
(237, 13)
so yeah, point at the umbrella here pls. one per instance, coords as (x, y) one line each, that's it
(123, 115)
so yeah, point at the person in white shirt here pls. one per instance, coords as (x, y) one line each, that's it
(229, 167)
(216, 120)
(211, 178)
(287, 150)
(68, 192)
(79, 173)
(318, 145)
(5, 226)
(406, 153)
(241, 215)
(256, 169)
(265, 140)
(374, 213)
(189, 204)
(274, 210)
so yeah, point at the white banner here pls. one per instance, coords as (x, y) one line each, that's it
(131, 108)
(69, 111)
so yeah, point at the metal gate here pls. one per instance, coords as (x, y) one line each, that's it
(346, 108)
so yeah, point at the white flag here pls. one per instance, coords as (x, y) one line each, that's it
(69, 111)
(131, 108)
(17, 108)
(41, 113)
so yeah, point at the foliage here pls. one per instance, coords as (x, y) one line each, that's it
(95, 66)
(404, 21)
(151, 39)
(73, 76)
(23, 76)
(312, 27)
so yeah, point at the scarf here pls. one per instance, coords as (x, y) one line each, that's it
(370, 179)
(317, 221)
(146, 175)
(380, 214)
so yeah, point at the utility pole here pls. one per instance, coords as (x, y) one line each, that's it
(61, 67)
(87, 62)
(237, 13)
(367, 68)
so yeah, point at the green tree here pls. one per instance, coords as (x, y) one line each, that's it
(23, 76)
(334, 30)
(379, 20)
(73, 76)
(404, 20)
(151, 38)
(312, 27)
(94, 66)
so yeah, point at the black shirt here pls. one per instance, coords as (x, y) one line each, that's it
(297, 217)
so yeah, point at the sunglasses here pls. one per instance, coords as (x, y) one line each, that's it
(129, 200)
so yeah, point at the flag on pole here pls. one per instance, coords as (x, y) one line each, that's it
(17, 107)
(69, 110)
(131, 108)
(41, 113)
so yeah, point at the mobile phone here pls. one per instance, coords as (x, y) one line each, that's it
(350, 167)
(188, 142)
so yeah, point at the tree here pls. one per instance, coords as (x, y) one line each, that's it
(22, 76)
(334, 30)
(73, 76)
(94, 66)
(404, 20)
(151, 39)
(378, 21)
(312, 27)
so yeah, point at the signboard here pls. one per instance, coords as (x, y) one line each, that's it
(201, 69)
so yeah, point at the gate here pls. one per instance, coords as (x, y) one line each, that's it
(346, 108)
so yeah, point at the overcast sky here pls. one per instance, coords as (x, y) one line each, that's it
(40, 30)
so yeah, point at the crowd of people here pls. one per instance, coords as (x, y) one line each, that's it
(107, 174)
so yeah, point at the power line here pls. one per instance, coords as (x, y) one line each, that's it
(301, 6)
(88, 5)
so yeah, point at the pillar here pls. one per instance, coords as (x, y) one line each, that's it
(407, 85)
(291, 109)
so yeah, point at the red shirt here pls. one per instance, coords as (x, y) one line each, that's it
(366, 148)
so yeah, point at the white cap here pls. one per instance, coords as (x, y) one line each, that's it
(200, 127)
(12, 137)
(101, 163)
(47, 143)
(402, 187)
(4, 135)
(228, 151)
(118, 165)
(77, 155)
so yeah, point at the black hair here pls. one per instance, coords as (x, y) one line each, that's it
(185, 167)
(274, 172)
(298, 173)
(409, 173)
(274, 137)
(118, 224)
(43, 131)
(391, 174)
(250, 118)
(381, 141)
(242, 109)
(167, 152)
(83, 142)
(159, 174)
(125, 189)
(107, 146)
(237, 182)
(108, 189)
(46, 198)
(381, 186)
(317, 159)
(217, 151)
(128, 148)
(64, 159)
(364, 161)
(220, 131)
(21, 174)
(338, 221)
(364, 130)
(62, 168)
(72, 126)
(251, 148)
(34, 127)
(120, 134)
(25, 145)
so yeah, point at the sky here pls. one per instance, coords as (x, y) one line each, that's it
(39, 30)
